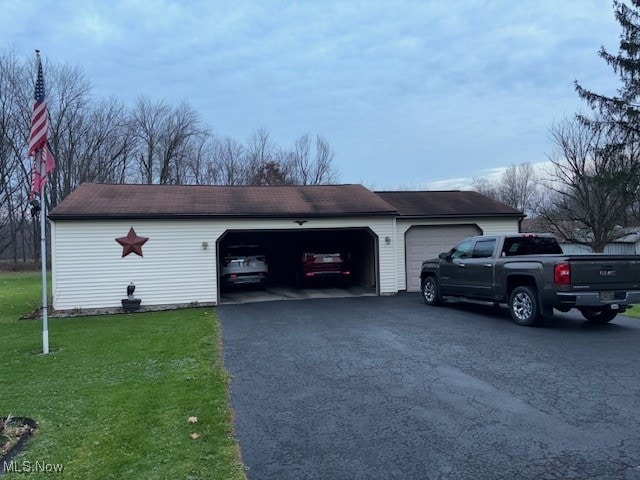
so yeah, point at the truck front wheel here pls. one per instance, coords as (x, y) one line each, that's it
(524, 306)
(431, 291)
(598, 315)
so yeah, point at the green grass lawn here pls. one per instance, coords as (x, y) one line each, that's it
(633, 311)
(113, 397)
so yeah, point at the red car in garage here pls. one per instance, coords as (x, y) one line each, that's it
(325, 266)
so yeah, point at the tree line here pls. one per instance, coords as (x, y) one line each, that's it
(588, 195)
(591, 189)
(107, 141)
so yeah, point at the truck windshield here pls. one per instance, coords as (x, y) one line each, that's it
(530, 246)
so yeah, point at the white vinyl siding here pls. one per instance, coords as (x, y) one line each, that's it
(615, 248)
(90, 272)
(619, 248)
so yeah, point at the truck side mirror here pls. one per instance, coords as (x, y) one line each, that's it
(444, 256)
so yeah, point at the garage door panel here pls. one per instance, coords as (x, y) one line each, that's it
(416, 249)
(424, 242)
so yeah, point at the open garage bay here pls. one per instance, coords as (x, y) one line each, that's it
(284, 250)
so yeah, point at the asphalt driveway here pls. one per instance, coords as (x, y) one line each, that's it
(386, 387)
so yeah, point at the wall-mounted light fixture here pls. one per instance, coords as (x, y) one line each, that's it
(387, 240)
(300, 222)
(205, 245)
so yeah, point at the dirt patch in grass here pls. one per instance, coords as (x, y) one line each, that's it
(14, 432)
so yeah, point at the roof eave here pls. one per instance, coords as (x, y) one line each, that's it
(462, 215)
(208, 216)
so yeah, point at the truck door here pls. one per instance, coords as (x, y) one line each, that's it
(453, 269)
(479, 268)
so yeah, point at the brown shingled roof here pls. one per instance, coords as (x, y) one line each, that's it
(92, 200)
(453, 203)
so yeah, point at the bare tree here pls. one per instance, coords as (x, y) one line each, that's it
(518, 187)
(486, 187)
(323, 171)
(181, 126)
(283, 159)
(259, 153)
(228, 167)
(107, 144)
(200, 168)
(620, 111)
(107, 141)
(313, 171)
(593, 184)
(270, 173)
(15, 221)
(301, 157)
(147, 122)
(68, 99)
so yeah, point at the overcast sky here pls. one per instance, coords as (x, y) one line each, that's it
(408, 93)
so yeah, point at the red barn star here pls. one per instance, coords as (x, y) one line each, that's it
(132, 243)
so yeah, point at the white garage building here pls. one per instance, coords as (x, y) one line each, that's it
(167, 239)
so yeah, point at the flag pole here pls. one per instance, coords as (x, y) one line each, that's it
(43, 251)
(38, 136)
(43, 260)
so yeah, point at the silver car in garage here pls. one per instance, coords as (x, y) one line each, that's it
(244, 265)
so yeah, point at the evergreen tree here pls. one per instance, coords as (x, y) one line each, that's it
(596, 169)
(621, 111)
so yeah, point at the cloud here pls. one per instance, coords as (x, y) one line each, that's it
(403, 90)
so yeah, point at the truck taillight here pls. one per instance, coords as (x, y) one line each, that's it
(562, 274)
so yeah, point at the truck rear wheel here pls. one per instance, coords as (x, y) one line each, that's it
(431, 291)
(524, 306)
(598, 316)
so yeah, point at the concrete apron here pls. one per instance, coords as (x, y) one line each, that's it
(289, 293)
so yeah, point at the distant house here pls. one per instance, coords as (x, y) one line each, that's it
(628, 244)
(168, 239)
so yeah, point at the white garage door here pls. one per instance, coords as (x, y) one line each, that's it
(422, 243)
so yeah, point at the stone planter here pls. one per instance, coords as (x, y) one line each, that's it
(131, 305)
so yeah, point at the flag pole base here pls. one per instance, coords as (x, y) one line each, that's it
(45, 342)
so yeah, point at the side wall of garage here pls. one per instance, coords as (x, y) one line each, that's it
(409, 231)
(89, 270)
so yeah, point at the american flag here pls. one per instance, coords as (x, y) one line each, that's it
(38, 135)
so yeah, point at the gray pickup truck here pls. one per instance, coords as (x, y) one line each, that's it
(531, 274)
